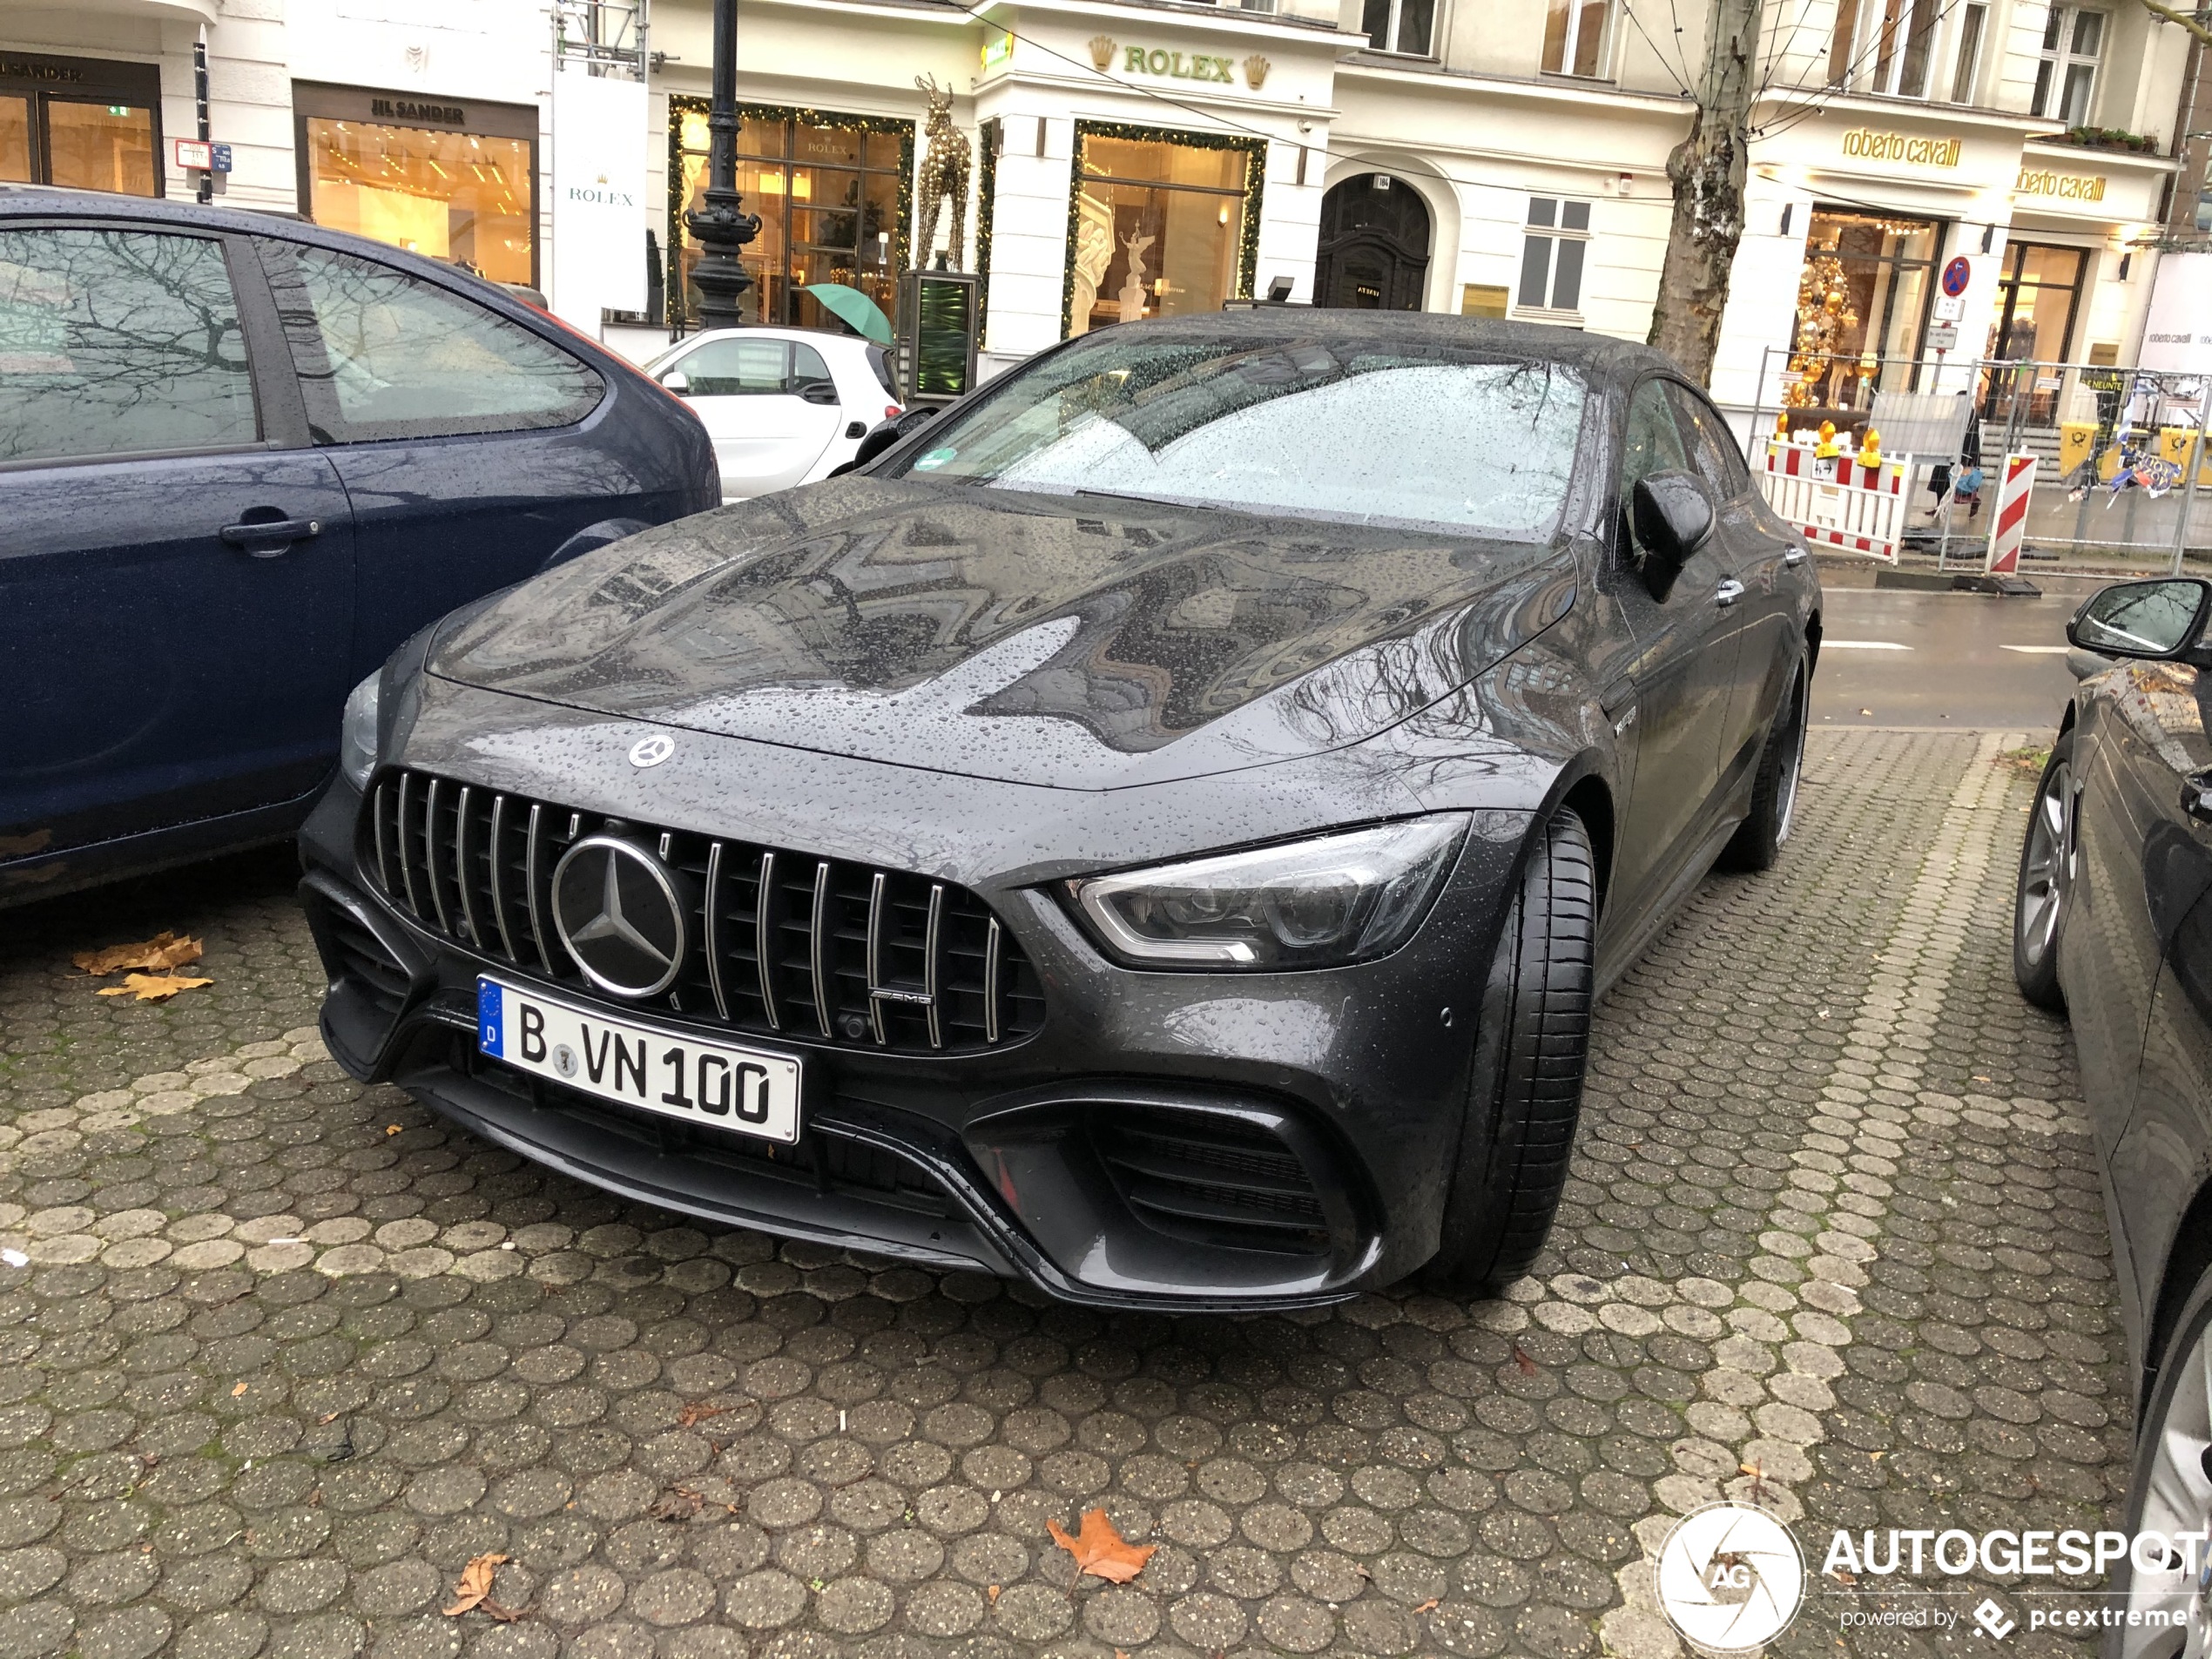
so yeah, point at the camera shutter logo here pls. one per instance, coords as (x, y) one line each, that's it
(1729, 1577)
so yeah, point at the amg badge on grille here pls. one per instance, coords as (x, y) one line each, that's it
(620, 915)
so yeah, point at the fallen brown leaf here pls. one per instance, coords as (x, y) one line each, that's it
(1101, 1551)
(992, 1594)
(1521, 1358)
(1429, 1606)
(237, 1391)
(475, 1585)
(164, 951)
(678, 1503)
(696, 1411)
(152, 987)
(391, 1129)
(327, 1417)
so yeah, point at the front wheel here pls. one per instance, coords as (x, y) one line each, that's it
(2046, 886)
(1531, 1046)
(2169, 1605)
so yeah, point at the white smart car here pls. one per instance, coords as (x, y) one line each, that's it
(783, 405)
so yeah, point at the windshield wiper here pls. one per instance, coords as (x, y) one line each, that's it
(1163, 501)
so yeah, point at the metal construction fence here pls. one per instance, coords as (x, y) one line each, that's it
(2120, 483)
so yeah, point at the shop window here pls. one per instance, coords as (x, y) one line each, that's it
(1884, 45)
(1972, 20)
(382, 354)
(833, 197)
(81, 123)
(1862, 303)
(1159, 225)
(1578, 37)
(15, 139)
(118, 342)
(461, 198)
(1552, 255)
(1399, 25)
(2066, 79)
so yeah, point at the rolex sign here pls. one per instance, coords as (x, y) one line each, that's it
(599, 189)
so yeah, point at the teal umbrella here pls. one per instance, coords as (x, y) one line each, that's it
(850, 306)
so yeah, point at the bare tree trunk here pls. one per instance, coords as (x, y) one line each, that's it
(1707, 169)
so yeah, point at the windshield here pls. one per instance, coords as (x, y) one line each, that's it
(1412, 434)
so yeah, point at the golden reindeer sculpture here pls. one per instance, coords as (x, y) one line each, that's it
(944, 174)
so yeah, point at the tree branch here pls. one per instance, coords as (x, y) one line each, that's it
(2192, 21)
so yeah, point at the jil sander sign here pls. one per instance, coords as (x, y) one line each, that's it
(1869, 144)
(401, 109)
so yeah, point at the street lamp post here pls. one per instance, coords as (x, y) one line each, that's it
(719, 225)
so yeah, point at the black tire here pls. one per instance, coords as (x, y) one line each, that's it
(1532, 1044)
(2044, 890)
(1758, 839)
(2173, 1429)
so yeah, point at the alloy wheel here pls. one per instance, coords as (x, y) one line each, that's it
(2177, 1499)
(2047, 873)
(1793, 760)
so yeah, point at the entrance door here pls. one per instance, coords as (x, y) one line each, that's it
(1374, 245)
(2037, 298)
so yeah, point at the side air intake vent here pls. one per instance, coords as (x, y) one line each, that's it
(1211, 1179)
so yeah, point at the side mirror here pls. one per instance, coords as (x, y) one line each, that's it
(2153, 620)
(883, 435)
(678, 382)
(1673, 518)
(819, 391)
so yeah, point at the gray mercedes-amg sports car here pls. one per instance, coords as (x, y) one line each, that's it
(1156, 829)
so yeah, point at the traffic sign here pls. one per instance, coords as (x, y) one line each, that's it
(220, 155)
(1949, 307)
(1957, 274)
(198, 155)
(1943, 336)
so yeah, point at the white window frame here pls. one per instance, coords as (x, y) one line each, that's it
(1864, 70)
(1388, 43)
(1566, 54)
(1552, 236)
(2058, 60)
(1972, 35)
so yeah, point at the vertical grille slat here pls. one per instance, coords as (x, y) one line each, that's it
(930, 963)
(714, 931)
(499, 878)
(818, 945)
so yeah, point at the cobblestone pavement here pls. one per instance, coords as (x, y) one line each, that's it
(286, 1353)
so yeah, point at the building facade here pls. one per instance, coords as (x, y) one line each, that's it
(1935, 184)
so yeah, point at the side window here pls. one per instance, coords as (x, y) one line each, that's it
(117, 342)
(381, 355)
(737, 367)
(1653, 445)
(1712, 448)
(807, 366)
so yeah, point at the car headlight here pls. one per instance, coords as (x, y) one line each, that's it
(1310, 904)
(357, 732)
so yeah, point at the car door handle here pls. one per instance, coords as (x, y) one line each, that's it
(266, 538)
(1795, 556)
(1728, 591)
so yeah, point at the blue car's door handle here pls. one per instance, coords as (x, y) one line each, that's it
(271, 536)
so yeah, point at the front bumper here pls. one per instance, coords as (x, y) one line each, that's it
(1112, 1158)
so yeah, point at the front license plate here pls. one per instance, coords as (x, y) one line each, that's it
(745, 1090)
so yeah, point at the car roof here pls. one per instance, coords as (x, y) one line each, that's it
(778, 331)
(1601, 357)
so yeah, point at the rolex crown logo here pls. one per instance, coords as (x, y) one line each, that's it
(1255, 68)
(1102, 50)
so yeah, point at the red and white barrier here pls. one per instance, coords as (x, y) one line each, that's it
(1860, 509)
(2008, 521)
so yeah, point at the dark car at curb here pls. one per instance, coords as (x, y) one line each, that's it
(1159, 830)
(2113, 927)
(241, 461)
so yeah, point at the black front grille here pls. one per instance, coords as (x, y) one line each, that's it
(783, 943)
(1211, 1178)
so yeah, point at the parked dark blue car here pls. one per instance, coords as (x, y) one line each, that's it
(241, 460)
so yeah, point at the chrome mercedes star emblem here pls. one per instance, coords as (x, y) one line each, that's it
(618, 910)
(651, 751)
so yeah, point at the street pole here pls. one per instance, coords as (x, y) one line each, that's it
(199, 99)
(720, 223)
